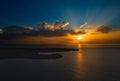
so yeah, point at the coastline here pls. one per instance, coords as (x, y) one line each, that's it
(33, 53)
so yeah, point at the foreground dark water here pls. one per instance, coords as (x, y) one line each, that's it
(88, 64)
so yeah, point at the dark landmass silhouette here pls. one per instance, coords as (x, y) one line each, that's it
(33, 53)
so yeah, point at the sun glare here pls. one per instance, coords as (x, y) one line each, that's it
(79, 37)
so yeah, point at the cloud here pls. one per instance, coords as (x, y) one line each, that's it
(84, 26)
(43, 29)
(53, 27)
(16, 29)
(99, 28)
(52, 30)
(104, 29)
(56, 29)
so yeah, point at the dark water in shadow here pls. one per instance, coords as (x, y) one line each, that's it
(88, 64)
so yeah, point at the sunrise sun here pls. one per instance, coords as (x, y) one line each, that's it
(79, 37)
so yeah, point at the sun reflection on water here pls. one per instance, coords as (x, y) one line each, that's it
(79, 64)
(79, 57)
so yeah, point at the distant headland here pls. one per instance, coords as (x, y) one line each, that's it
(33, 53)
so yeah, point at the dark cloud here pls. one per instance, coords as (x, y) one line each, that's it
(103, 29)
(43, 29)
(17, 30)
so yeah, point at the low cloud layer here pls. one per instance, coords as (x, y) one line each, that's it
(57, 31)
(43, 29)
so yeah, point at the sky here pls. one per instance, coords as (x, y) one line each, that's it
(76, 12)
(86, 21)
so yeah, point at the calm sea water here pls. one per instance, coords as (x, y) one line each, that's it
(88, 64)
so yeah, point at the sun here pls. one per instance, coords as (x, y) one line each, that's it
(79, 37)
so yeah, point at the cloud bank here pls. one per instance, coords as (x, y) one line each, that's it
(58, 33)
(43, 29)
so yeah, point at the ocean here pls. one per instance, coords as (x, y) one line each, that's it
(90, 63)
